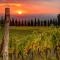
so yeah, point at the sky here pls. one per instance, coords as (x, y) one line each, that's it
(30, 6)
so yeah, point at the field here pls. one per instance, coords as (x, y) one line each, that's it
(34, 43)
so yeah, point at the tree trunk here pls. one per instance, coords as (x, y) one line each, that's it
(6, 34)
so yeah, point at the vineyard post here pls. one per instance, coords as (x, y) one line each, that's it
(6, 34)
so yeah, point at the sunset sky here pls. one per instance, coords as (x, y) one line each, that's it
(31, 6)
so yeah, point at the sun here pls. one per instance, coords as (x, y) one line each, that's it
(19, 12)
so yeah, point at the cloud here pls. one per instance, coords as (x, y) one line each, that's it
(33, 6)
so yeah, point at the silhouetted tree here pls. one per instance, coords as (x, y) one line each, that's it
(19, 22)
(12, 21)
(35, 22)
(38, 22)
(25, 22)
(58, 19)
(16, 22)
(31, 22)
(44, 22)
(56, 22)
(2, 21)
(51, 21)
(48, 23)
(22, 23)
(28, 23)
(41, 23)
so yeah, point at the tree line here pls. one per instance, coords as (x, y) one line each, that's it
(33, 22)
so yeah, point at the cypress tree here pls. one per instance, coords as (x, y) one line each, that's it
(58, 19)
(38, 22)
(31, 22)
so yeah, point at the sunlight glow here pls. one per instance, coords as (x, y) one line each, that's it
(19, 12)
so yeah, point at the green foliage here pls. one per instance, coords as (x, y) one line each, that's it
(27, 40)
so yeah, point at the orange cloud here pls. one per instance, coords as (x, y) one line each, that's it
(43, 8)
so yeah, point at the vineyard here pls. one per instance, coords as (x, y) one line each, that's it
(33, 43)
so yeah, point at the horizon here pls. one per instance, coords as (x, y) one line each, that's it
(33, 16)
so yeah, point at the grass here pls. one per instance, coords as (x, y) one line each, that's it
(27, 40)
